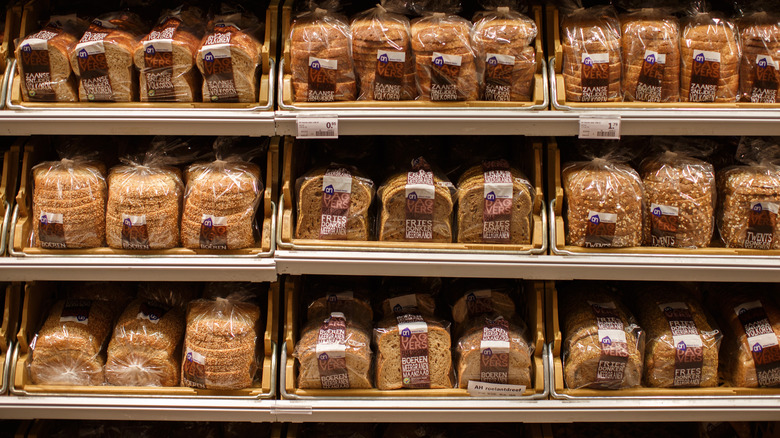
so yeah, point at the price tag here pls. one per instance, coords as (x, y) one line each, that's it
(492, 389)
(600, 127)
(318, 127)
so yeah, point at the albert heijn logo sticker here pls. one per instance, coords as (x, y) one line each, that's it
(595, 219)
(588, 61)
(699, 58)
(491, 197)
(383, 58)
(208, 222)
(406, 333)
(487, 352)
(606, 340)
(324, 356)
(762, 62)
(650, 59)
(758, 208)
(492, 61)
(209, 57)
(438, 61)
(127, 222)
(471, 297)
(316, 65)
(412, 196)
(657, 212)
(397, 308)
(83, 54)
(758, 348)
(329, 190)
(681, 346)
(150, 50)
(26, 48)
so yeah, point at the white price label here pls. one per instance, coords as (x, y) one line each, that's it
(494, 389)
(318, 127)
(600, 127)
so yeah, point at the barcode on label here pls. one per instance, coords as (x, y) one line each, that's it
(606, 133)
(317, 127)
(330, 133)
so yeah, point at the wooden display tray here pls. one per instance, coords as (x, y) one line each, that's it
(8, 183)
(35, 296)
(10, 320)
(558, 235)
(538, 99)
(292, 290)
(558, 87)
(530, 430)
(294, 157)
(559, 390)
(22, 224)
(34, 11)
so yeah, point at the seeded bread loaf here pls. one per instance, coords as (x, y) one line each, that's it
(710, 56)
(748, 208)
(393, 217)
(651, 56)
(759, 73)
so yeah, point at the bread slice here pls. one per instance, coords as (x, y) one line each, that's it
(470, 353)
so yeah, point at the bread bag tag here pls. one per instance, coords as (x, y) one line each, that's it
(762, 341)
(35, 63)
(414, 348)
(322, 73)
(687, 344)
(420, 197)
(612, 341)
(497, 211)
(759, 70)
(445, 70)
(336, 200)
(499, 68)
(494, 350)
(331, 352)
(217, 59)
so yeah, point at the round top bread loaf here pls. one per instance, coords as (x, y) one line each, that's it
(319, 27)
(507, 28)
(145, 182)
(592, 28)
(75, 325)
(440, 33)
(692, 178)
(151, 324)
(383, 28)
(221, 318)
(70, 176)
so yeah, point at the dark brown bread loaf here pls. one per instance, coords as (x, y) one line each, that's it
(710, 55)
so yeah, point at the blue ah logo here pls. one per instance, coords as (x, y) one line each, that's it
(153, 317)
(492, 61)
(657, 212)
(26, 48)
(606, 341)
(741, 311)
(397, 308)
(329, 190)
(491, 196)
(406, 333)
(316, 65)
(81, 317)
(757, 208)
(324, 356)
(412, 196)
(209, 57)
(650, 59)
(189, 356)
(471, 297)
(762, 63)
(681, 346)
(44, 220)
(127, 222)
(150, 50)
(439, 61)
(488, 352)
(208, 223)
(83, 53)
(757, 348)
(699, 58)
(332, 298)
(384, 59)
(588, 61)
(595, 219)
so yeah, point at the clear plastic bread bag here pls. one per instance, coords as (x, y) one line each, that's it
(503, 41)
(103, 58)
(478, 300)
(651, 56)
(710, 54)
(680, 198)
(413, 351)
(495, 204)
(321, 57)
(592, 62)
(221, 344)
(229, 56)
(166, 57)
(682, 339)
(603, 346)
(334, 203)
(117, 295)
(351, 302)
(444, 57)
(144, 197)
(759, 73)
(44, 64)
(382, 53)
(749, 195)
(605, 199)
(495, 349)
(69, 347)
(402, 295)
(334, 353)
(221, 199)
(416, 205)
(171, 293)
(145, 347)
(69, 203)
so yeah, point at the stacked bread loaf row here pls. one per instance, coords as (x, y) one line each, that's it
(71, 60)
(439, 57)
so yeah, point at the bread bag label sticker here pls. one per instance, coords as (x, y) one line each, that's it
(322, 80)
(494, 351)
(762, 221)
(611, 368)
(766, 80)
(135, 234)
(75, 310)
(486, 389)
(336, 199)
(213, 232)
(420, 199)
(403, 304)
(194, 369)
(413, 334)
(595, 77)
(93, 65)
(498, 195)
(390, 69)
(762, 342)
(51, 230)
(600, 230)
(498, 76)
(445, 70)
(648, 86)
(36, 67)
(479, 302)
(689, 348)
(705, 74)
(218, 69)
(664, 221)
(152, 311)
(158, 61)
(331, 352)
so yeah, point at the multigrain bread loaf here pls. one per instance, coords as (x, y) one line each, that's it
(220, 201)
(345, 344)
(651, 56)
(330, 207)
(421, 339)
(710, 55)
(103, 58)
(144, 207)
(494, 349)
(605, 204)
(680, 201)
(682, 345)
(321, 58)
(68, 349)
(166, 57)
(759, 73)
(445, 60)
(748, 208)
(145, 347)
(506, 59)
(220, 344)
(504, 216)
(590, 361)
(44, 63)
(751, 335)
(382, 52)
(69, 204)
(229, 57)
(591, 55)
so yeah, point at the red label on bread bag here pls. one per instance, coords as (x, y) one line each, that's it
(705, 74)
(494, 351)
(498, 194)
(322, 79)
(51, 230)
(762, 342)
(766, 80)
(415, 367)
(93, 64)
(612, 340)
(36, 66)
(762, 220)
(498, 76)
(648, 87)
(595, 77)
(218, 64)
(76, 310)
(389, 78)
(213, 232)
(193, 371)
(445, 70)
(331, 352)
(336, 199)
(687, 343)
(135, 234)
(158, 61)
(664, 221)
(420, 200)
(600, 230)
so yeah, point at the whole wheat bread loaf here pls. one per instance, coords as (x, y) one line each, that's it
(759, 73)
(748, 208)
(651, 56)
(710, 56)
